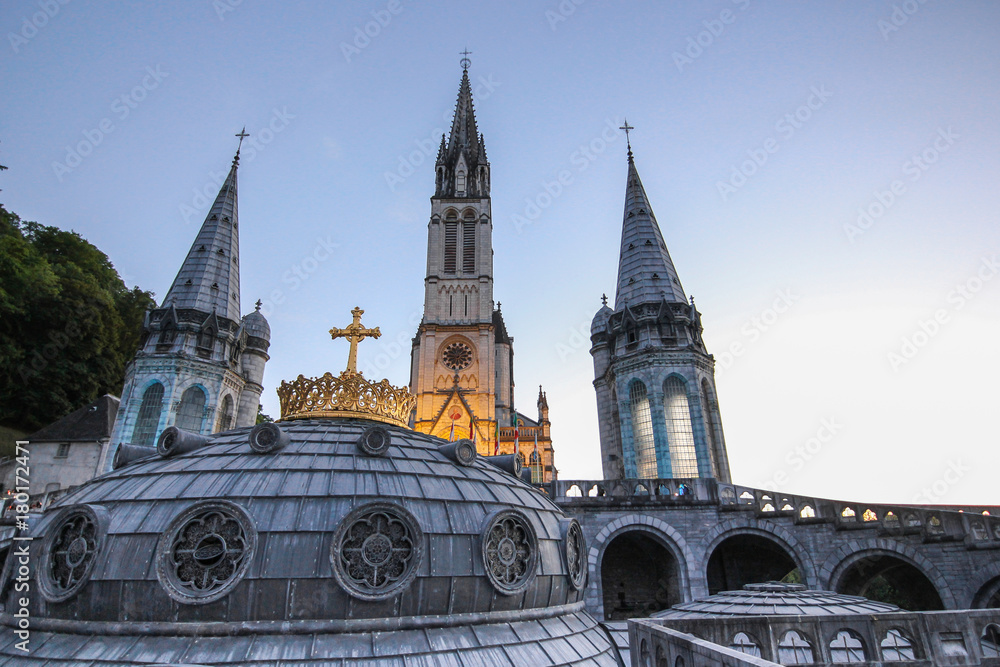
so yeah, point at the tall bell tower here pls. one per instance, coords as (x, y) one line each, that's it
(461, 370)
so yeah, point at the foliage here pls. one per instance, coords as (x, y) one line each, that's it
(261, 417)
(68, 323)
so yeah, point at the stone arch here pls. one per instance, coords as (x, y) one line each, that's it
(191, 407)
(845, 556)
(668, 537)
(149, 413)
(984, 587)
(760, 528)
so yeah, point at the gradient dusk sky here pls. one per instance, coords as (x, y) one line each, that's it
(825, 174)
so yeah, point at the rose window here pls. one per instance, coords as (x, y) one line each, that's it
(457, 356)
(509, 552)
(206, 552)
(71, 552)
(575, 552)
(376, 550)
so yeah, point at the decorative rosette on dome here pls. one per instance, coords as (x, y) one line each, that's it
(349, 394)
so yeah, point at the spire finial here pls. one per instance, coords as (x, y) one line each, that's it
(242, 135)
(628, 141)
(258, 305)
(465, 62)
(604, 299)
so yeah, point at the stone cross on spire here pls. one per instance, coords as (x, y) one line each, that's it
(465, 62)
(355, 333)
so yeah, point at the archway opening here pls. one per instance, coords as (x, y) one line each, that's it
(890, 579)
(988, 597)
(639, 576)
(749, 559)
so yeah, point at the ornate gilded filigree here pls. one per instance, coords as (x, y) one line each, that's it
(206, 552)
(376, 550)
(509, 551)
(349, 394)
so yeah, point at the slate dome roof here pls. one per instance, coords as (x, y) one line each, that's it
(256, 325)
(600, 321)
(309, 542)
(777, 599)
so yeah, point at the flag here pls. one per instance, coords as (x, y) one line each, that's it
(451, 435)
(472, 428)
(496, 442)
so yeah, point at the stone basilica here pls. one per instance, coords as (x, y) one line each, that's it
(378, 525)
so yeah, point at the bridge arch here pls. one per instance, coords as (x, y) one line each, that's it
(984, 590)
(843, 570)
(749, 532)
(641, 535)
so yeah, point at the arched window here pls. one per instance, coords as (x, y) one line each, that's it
(642, 432)
(469, 246)
(460, 182)
(191, 410)
(744, 644)
(680, 438)
(847, 647)
(794, 649)
(990, 641)
(451, 242)
(149, 415)
(225, 414)
(536, 467)
(896, 647)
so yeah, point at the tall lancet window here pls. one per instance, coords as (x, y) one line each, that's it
(225, 414)
(149, 415)
(642, 432)
(469, 245)
(460, 183)
(680, 437)
(191, 410)
(451, 243)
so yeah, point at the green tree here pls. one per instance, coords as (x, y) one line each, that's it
(68, 323)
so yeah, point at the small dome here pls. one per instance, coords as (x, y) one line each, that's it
(600, 320)
(256, 325)
(777, 599)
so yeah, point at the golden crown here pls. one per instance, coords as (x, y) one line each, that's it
(350, 394)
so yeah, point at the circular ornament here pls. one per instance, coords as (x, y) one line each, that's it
(465, 452)
(205, 552)
(267, 437)
(457, 356)
(376, 550)
(575, 553)
(375, 441)
(70, 550)
(510, 551)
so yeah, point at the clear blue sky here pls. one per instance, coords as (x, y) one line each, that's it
(838, 104)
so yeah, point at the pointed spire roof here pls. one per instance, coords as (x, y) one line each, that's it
(645, 270)
(209, 278)
(464, 132)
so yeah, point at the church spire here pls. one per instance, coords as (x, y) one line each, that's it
(645, 270)
(462, 167)
(209, 278)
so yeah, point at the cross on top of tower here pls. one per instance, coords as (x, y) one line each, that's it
(242, 135)
(354, 333)
(604, 299)
(465, 62)
(628, 141)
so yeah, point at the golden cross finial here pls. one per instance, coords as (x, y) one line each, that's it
(355, 333)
